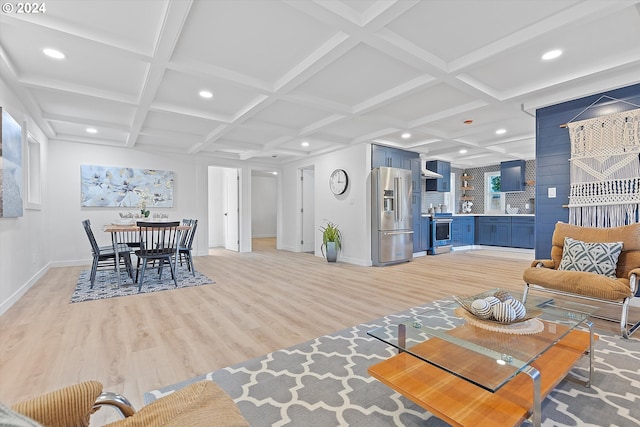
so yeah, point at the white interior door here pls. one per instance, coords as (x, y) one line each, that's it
(232, 210)
(308, 210)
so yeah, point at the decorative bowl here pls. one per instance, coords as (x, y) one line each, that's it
(466, 301)
(512, 211)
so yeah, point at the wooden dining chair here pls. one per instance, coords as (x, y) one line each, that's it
(186, 242)
(158, 242)
(105, 256)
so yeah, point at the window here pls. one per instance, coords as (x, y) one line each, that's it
(450, 197)
(493, 197)
(34, 187)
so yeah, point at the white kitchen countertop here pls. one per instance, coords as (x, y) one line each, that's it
(424, 214)
(474, 214)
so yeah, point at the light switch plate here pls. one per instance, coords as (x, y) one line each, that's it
(551, 192)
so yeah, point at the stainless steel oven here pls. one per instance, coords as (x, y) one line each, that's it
(441, 233)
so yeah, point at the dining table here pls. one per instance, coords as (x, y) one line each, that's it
(125, 233)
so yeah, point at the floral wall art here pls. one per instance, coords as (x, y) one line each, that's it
(11, 189)
(106, 186)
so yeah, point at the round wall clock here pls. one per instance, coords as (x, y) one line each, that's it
(338, 181)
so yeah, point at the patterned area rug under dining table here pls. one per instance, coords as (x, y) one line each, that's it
(324, 382)
(106, 283)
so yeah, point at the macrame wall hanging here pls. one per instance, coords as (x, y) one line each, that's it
(605, 170)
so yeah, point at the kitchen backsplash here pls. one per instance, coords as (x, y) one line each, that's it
(432, 198)
(515, 200)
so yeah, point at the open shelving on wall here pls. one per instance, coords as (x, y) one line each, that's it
(465, 187)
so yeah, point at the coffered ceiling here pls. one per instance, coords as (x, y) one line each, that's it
(329, 73)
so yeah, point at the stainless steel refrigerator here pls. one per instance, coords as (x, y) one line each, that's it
(392, 217)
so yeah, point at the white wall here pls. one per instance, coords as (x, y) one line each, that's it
(24, 252)
(263, 206)
(64, 194)
(53, 236)
(351, 211)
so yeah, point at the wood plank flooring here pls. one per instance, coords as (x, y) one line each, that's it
(261, 301)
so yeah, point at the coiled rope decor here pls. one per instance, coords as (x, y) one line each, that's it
(605, 170)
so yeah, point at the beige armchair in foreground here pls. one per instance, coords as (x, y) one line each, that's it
(199, 404)
(595, 266)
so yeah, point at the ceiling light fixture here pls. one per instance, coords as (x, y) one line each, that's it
(405, 135)
(304, 143)
(552, 54)
(92, 130)
(468, 122)
(463, 151)
(501, 131)
(53, 53)
(206, 94)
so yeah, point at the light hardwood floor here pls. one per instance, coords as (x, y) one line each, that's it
(261, 301)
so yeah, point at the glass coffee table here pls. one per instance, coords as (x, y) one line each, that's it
(460, 372)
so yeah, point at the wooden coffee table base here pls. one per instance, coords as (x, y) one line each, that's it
(461, 403)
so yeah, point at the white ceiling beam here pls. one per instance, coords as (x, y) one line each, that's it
(174, 19)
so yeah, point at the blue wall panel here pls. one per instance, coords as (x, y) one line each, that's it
(553, 150)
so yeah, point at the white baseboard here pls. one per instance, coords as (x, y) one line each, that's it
(8, 303)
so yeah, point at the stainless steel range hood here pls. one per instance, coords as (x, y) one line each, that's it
(426, 173)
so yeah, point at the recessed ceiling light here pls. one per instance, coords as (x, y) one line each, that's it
(552, 54)
(405, 135)
(304, 143)
(92, 130)
(274, 173)
(463, 151)
(53, 53)
(206, 94)
(501, 131)
(468, 122)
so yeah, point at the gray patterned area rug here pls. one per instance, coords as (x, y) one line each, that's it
(324, 382)
(106, 283)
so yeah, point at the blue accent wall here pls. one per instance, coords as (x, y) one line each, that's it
(553, 150)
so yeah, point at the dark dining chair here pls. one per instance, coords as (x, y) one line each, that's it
(158, 242)
(186, 242)
(105, 256)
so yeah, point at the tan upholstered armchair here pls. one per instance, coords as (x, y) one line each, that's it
(199, 404)
(617, 288)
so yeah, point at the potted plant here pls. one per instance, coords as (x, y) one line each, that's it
(331, 241)
(144, 211)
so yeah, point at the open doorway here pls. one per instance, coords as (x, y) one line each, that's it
(224, 208)
(307, 211)
(264, 202)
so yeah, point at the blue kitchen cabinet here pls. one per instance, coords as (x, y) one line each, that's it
(468, 233)
(416, 211)
(463, 231)
(442, 185)
(391, 157)
(484, 232)
(416, 201)
(416, 176)
(523, 232)
(512, 176)
(493, 231)
(425, 233)
(456, 231)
